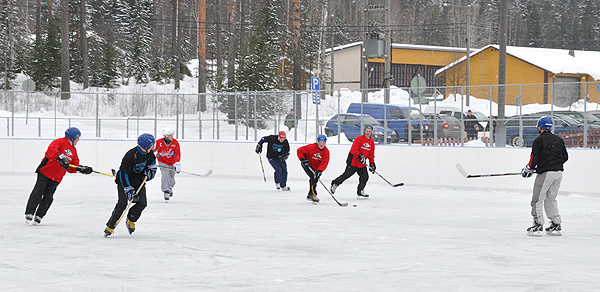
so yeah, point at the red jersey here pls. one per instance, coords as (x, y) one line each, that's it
(50, 167)
(318, 158)
(167, 154)
(364, 146)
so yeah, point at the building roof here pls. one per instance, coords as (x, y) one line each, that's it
(405, 46)
(556, 61)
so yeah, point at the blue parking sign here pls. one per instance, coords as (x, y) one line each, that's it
(316, 86)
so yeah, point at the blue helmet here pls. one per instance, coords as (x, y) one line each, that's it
(146, 141)
(321, 138)
(72, 134)
(545, 123)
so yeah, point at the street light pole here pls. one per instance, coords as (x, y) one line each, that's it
(468, 40)
(468, 54)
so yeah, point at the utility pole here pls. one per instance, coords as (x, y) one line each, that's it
(501, 129)
(202, 53)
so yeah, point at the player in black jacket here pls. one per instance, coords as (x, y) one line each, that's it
(137, 164)
(278, 150)
(548, 154)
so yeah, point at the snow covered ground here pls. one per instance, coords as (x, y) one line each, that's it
(225, 234)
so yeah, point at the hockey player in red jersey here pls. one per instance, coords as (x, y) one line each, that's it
(168, 155)
(314, 159)
(363, 148)
(60, 154)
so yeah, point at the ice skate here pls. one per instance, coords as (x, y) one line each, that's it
(334, 187)
(312, 198)
(554, 229)
(130, 226)
(28, 218)
(535, 230)
(108, 231)
(278, 186)
(362, 195)
(167, 196)
(37, 220)
(286, 188)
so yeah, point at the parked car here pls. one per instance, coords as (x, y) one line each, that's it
(578, 116)
(482, 119)
(447, 126)
(561, 123)
(595, 113)
(350, 124)
(397, 118)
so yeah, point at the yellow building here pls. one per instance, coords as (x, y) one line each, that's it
(407, 61)
(537, 75)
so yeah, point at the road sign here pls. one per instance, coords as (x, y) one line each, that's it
(28, 85)
(316, 87)
(418, 85)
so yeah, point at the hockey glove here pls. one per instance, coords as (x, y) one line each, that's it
(284, 156)
(64, 162)
(150, 172)
(84, 169)
(305, 163)
(129, 191)
(318, 175)
(527, 172)
(372, 167)
(258, 148)
(361, 159)
(177, 167)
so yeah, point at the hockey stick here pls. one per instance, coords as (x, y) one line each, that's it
(345, 204)
(465, 174)
(71, 165)
(383, 178)
(131, 201)
(187, 172)
(261, 166)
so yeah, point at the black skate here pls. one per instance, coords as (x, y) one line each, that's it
(554, 229)
(535, 230)
(362, 195)
(108, 231)
(130, 226)
(37, 220)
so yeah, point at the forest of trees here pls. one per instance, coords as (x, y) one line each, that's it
(252, 44)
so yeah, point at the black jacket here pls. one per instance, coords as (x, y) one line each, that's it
(276, 149)
(133, 166)
(548, 153)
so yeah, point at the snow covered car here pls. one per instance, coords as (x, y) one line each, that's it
(350, 124)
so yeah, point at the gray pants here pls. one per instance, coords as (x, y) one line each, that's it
(545, 190)
(167, 180)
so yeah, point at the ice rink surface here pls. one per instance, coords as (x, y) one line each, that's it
(225, 234)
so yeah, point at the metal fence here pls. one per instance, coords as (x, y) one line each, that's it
(251, 115)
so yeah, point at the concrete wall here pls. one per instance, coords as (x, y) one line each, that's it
(413, 165)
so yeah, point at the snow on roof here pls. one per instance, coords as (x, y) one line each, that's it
(405, 46)
(556, 61)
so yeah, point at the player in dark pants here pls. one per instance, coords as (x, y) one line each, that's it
(363, 148)
(314, 159)
(138, 164)
(60, 154)
(278, 150)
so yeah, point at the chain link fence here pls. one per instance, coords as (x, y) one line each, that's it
(403, 115)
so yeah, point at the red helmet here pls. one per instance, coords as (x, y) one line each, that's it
(282, 135)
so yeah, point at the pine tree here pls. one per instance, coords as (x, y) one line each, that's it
(133, 17)
(45, 68)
